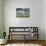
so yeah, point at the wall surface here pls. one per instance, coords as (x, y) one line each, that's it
(37, 15)
(45, 19)
(0, 11)
(0, 18)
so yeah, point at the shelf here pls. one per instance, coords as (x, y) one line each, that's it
(26, 32)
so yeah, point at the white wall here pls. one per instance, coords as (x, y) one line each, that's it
(45, 19)
(36, 15)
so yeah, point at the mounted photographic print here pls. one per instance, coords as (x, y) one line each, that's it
(22, 12)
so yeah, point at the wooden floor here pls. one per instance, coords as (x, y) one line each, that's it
(40, 42)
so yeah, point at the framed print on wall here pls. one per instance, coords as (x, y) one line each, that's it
(22, 12)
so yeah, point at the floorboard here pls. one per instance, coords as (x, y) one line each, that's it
(25, 43)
